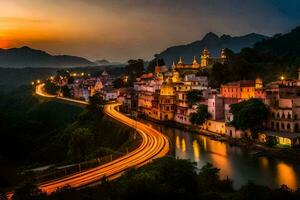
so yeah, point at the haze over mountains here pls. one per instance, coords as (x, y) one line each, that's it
(213, 42)
(28, 57)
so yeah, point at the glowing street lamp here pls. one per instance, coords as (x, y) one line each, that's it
(32, 83)
(82, 74)
(38, 81)
(282, 78)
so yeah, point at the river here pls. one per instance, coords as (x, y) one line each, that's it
(237, 163)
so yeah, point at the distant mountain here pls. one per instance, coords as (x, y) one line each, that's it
(269, 59)
(102, 62)
(213, 42)
(28, 57)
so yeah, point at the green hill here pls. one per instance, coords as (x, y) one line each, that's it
(268, 59)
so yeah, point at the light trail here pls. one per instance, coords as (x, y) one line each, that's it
(154, 145)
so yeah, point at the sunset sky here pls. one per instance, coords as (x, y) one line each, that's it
(121, 29)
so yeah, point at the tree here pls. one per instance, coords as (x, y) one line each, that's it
(135, 67)
(152, 64)
(208, 177)
(250, 114)
(63, 73)
(28, 191)
(51, 88)
(80, 144)
(193, 96)
(200, 116)
(96, 104)
(66, 91)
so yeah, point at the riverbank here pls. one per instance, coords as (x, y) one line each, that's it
(259, 149)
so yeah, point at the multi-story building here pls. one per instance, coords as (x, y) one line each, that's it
(244, 89)
(283, 101)
(215, 107)
(167, 100)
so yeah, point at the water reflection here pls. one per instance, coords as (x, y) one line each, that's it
(286, 175)
(238, 164)
(196, 150)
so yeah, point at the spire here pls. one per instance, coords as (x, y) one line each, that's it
(205, 52)
(180, 61)
(195, 61)
(173, 66)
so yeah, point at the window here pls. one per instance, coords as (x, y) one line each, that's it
(296, 128)
(282, 126)
(295, 116)
(288, 126)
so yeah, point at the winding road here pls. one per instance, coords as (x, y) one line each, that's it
(154, 145)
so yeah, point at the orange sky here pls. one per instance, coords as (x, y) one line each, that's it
(123, 29)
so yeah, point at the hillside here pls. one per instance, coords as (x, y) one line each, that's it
(213, 42)
(28, 57)
(268, 59)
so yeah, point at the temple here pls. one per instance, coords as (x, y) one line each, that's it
(206, 61)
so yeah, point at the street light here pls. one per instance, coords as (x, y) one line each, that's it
(282, 78)
(38, 81)
(32, 83)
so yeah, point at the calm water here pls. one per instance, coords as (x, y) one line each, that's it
(238, 164)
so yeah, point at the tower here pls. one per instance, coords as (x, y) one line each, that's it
(258, 83)
(205, 58)
(180, 62)
(157, 69)
(223, 56)
(173, 67)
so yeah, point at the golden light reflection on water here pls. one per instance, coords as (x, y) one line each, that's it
(183, 145)
(219, 157)
(264, 163)
(196, 150)
(177, 142)
(286, 175)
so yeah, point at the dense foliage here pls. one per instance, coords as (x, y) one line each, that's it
(165, 178)
(134, 69)
(200, 116)
(32, 127)
(153, 63)
(193, 96)
(268, 59)
(250, 114)
(51, 88)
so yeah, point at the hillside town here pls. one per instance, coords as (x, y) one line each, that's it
(175, 93)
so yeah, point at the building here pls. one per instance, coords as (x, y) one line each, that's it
(215, 106)
(110, 94)
(244, 89)
(283, 101)
(205, 61)
(167, 99)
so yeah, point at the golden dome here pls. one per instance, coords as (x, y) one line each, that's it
(167, 89)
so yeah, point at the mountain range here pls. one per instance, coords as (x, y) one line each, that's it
(213, 42)
(28, 57)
